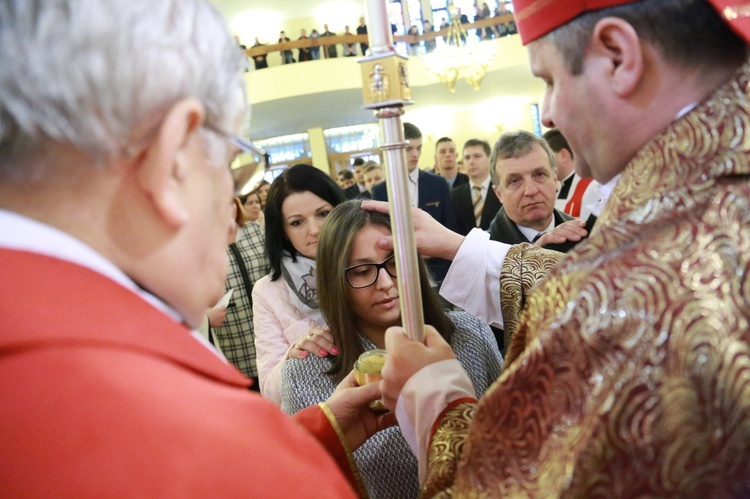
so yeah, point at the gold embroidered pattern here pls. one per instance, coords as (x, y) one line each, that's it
(446, 448)
(349, 455)
(525, 265)
(635, 378)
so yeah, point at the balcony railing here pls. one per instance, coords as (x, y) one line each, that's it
(505, 20)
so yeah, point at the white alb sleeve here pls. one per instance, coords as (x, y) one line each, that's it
(473, 280)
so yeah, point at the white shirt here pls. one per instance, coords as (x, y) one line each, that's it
(531, 234)
(414, 186)
(21, 233)
(477, 266)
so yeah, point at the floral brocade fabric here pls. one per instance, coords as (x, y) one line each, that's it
(629, 373)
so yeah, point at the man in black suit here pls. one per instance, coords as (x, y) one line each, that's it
(476, 203)
(445, 163)
(525, 181)
(428, 192)
(358, 190)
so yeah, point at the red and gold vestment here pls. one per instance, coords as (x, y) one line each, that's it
(629, 369)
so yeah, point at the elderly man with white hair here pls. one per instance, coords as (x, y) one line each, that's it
(116, 123)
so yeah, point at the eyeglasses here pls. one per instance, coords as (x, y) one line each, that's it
(365, 274)
(238, 142)
(245, 146)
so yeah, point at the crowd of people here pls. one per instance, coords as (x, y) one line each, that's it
(587, 327)
(313, 52)
(350, 49)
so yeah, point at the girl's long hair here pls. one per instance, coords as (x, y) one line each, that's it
(334, 248)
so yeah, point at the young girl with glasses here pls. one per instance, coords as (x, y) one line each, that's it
(358, 295)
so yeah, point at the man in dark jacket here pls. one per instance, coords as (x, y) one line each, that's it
(524, 178)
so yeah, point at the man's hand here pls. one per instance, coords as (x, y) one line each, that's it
(433, 240)
(349, 404)
(406, 357)
(572, 230)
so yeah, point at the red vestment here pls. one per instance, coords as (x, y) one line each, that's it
(103, 395)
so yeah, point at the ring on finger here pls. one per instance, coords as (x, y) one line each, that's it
(310, 336)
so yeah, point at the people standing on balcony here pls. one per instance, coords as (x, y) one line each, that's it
(350, 49)
(414, 44)
(429, 45)
(362, 30)
(315, 51)
(330, 52)
(286, 55)
(490, 31)
(304, 52)
(260, 59)
(478, 17)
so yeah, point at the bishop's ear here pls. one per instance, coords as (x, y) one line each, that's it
(618, 52)
(165, 161)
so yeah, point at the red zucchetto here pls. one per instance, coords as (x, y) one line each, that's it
(536, 18)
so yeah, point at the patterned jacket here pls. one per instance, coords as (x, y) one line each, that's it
(235, 336)
(386, 463)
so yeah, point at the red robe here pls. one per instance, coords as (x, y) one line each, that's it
(104, 396)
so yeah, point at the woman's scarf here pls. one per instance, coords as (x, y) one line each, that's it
(299, 276)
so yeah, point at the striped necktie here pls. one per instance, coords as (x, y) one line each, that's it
(478, 205)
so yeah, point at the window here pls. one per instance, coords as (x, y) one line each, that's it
(352, 138)
(286, 148)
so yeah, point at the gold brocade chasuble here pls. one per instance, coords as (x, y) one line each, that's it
(629, 373)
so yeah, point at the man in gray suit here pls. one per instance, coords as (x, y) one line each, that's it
(524, 178)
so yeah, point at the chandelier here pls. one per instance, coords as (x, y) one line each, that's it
(460, 57)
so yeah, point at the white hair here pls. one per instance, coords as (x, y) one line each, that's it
(99, 75)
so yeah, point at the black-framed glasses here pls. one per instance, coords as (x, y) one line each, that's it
(365, 274)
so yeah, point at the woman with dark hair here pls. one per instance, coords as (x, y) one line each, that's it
(262, 190)
(287, 318)
(358, 294)
(253, 210)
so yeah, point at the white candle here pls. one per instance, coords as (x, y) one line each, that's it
(378, 27)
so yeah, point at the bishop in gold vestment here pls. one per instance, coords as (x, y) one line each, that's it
(630, 372)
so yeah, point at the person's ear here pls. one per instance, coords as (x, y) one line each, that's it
(164, 163)
(616, 45)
